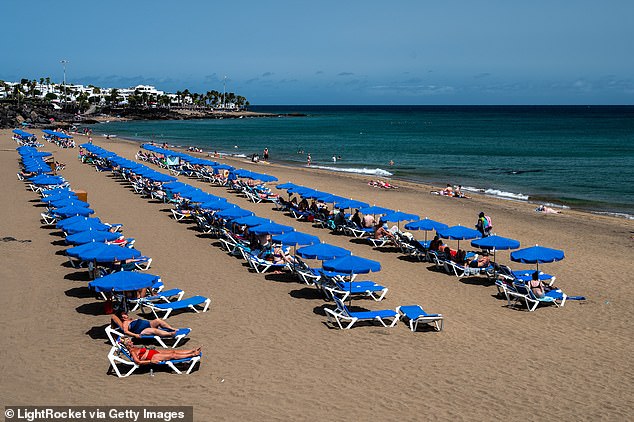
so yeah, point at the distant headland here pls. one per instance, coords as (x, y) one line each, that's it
(44, 104)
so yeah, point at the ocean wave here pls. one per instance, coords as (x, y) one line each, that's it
(374, 172)
(498, 193)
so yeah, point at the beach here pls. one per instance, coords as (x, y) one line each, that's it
(268, 353)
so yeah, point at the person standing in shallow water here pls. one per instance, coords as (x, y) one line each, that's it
(308, 160)
(265, 155)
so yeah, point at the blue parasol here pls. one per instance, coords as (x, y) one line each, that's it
(68, 202)
(58, 197)
(399, 216)
(251, 221)
(271, 228)
(350, 203)
(459, 233)
(235, 212)
(286, 185)
(216, 205)
(61, 224)
(45, 179)
(536, 255)
(296, 238)
(495, 243)
(92, 236)
(352, 264)
(102, 252)
(72, 210)
(374, 210)
(123, 281)
(322, 251)
(82, 226)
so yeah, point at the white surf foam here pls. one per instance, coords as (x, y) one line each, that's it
(498, 193)
(374, 172)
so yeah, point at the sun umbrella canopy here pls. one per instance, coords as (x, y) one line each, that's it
(82, 226)
(123, 281)
(72, 210)
(350, 203)
(45, 179)
(76, 219)
(495, 242)
(286, 185)
(425, 224)
(102, 252)
(231, 213)
(322, 251)
(459, 233)
(251, 221)
(68, 202)
(300, 190)
(92, 236)
(296, 238)
(537, 255)
(55, 191)
(352, 265)
(374, 209)
(216, 205)
(58, 197)
(400, 216)
(271, 228)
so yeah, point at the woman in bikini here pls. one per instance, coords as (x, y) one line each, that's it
(138, 327)
(142, 355)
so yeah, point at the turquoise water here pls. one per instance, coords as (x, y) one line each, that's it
(582, 157)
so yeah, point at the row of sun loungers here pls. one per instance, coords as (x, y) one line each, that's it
(334, 289)
(160, 302)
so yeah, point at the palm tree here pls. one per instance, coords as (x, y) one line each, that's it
(114, 96)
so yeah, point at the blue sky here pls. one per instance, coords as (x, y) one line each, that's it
(334, 52)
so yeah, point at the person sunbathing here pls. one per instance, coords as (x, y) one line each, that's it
(381, 231)
(279, 257)
(138, 327)
(547, 210)
(482, 261)
(143, 356)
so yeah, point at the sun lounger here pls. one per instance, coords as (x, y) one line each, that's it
(262, 265)
(416, 314)
(522, 293)
(341, 314)
(165, 296)
(189, 303)
(365, 288)
(461, 271)
(119, 355)
(380, 242)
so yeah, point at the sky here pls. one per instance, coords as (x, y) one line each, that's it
(279, 52)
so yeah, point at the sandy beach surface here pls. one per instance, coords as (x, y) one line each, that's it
(268, 352)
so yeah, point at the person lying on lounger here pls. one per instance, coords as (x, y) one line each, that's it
(137, 327)
(142, 355)
(482, 261)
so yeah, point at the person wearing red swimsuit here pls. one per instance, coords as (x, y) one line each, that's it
(143, 356)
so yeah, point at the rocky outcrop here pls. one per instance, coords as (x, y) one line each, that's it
(36, 114)
(43, 115)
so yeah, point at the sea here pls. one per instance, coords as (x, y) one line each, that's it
(579, 157)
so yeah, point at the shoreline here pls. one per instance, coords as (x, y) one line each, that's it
(417, 184)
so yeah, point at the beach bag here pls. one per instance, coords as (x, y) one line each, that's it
(487, 223)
